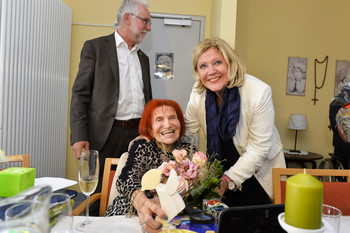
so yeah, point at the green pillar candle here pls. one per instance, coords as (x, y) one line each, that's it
(303, 205)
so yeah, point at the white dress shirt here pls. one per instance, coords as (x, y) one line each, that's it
(131, 98)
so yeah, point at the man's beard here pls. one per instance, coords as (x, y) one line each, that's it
(138, 35)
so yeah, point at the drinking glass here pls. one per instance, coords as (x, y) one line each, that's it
(88, 179)
(26, 211)
(24, 216)
(61, 216)
(331, 218)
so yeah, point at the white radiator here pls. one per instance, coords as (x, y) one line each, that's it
(34, 80)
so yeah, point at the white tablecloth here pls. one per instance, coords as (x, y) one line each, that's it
(123, 224)
(116, 224)
(345, 224)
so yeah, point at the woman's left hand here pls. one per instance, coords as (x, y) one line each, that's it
(148, 210)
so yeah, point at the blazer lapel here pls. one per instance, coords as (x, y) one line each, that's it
(143, 65)
(111, 52)
(145, 75)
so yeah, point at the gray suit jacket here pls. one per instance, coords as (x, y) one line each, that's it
(96, 90)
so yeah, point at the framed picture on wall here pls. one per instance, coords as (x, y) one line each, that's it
(164, 66)
(342, 75)
(296, 77)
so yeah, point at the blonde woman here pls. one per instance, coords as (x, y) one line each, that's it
(235, 111)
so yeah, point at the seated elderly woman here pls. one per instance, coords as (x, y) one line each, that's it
(163, 123)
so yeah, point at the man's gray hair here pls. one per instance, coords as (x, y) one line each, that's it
(129, 6)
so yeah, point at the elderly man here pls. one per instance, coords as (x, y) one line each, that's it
(112, 86)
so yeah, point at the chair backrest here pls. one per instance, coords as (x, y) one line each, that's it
(108, 175)
(15, 161)
(113, 191)
(334, 193)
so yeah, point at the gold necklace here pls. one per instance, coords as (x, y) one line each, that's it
(324, 77)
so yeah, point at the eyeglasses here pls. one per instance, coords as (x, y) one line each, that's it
(145, 20)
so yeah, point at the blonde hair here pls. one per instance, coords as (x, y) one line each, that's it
(236, 67)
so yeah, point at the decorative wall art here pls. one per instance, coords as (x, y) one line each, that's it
(317, 81)
(342, 75)
(163, 68)
(296, 77)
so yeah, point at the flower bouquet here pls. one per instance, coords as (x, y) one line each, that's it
(199, 176)
(343, 121)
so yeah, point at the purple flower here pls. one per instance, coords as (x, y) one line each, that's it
(188, 169)
(166, 167)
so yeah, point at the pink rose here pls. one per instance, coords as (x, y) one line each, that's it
(166, 167)
(188, 169)
(179, 155)
(199, 158)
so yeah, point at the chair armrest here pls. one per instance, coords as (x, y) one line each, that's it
(82, 207)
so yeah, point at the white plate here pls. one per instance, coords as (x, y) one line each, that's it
(115, 224)
(292, 229)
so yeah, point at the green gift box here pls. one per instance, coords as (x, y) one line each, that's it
(14, 180)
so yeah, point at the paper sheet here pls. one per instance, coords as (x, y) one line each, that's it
(55, 182)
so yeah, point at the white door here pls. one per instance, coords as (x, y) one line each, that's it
(175, 36)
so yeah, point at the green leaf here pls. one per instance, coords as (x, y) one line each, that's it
(206, 189)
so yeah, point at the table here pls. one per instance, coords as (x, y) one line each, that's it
(186, 224)
(344, 224)
(107, 224)
(302, 159)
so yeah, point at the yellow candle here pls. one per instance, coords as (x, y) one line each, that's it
(303, 206)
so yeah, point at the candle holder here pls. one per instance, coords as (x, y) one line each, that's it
(291, 229)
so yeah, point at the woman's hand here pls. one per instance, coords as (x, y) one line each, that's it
(148, 210)
(223, 187)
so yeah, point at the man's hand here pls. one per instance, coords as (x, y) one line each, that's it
(78, 147)
(138, 137)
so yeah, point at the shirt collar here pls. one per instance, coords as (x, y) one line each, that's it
(120, 42)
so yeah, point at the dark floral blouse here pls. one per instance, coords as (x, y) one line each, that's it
(143, 156)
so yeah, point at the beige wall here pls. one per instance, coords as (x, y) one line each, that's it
(103, 12)
(270, 31)
(223, 23)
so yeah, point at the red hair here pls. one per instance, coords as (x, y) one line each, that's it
(145, 125)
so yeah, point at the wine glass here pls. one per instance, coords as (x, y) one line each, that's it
(88, 179)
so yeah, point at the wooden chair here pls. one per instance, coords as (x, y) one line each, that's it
(13, 160)
(334, 193)
(108, 175)
(113, 191)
